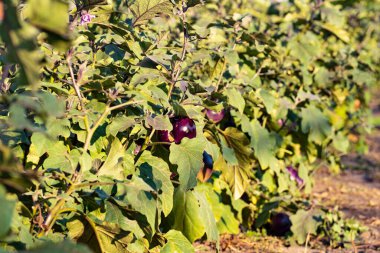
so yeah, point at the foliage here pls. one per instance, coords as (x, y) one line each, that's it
(329, 224)
(338, 231)
(83, 96)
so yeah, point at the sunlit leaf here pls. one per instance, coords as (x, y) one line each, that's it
(63, 247)
(22, 48)
(188, 156)
(186, 215)
(304, 223)
(6, 212)
(316, 124)
(156, 172)
(176, 242)
(146, 9)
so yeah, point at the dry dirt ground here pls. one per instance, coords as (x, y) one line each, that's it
(357, 193)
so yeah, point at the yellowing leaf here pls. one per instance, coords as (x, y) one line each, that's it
(146, 9)
(176, 242)
(339, 32)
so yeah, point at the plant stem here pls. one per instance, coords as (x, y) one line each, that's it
(125, 104)
(221, 75)
(177, 70)
(307, 242)
(92, 130)
(108, 109)
(84, 185)
(55, 211)
(159, 143)
(74, 83)
(147, 140)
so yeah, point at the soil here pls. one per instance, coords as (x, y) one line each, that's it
(356, 191)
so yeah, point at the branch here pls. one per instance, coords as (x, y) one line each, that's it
(3, 86)
(115, 107)
(183, 54)
(74, 84)
(92, 130)
(56, 210)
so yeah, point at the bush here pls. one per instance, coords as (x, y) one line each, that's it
(85, 102)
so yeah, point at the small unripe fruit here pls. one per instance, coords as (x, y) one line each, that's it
(280, 122)
(357, 104)
(294, 175)
(215, 116)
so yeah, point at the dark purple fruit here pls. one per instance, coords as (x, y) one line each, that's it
(207, 160)
(206, 171)
(279, 224)
(183, 127)
(215, 116)
(164, 136)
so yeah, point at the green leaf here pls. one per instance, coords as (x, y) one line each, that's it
(186, 215)
(305, 47)
(316, 124)
(188, 155)
(112, 239)
(264, 144)
(62, 247)
(58, 127)
(303, 172)
(114, 161)
(235, 172)
(236, 99)
(176, 242)
(40, 144)
(268, 181)
(207, 216)
(338, 31)
(144, 10)
(120, 124)
(341, 142)
(6, 212)
(21, 45)
(160, 122)
(115, 216)
(100, 238)
(18, 117)
(59, 158)
(58, 155)
(138, 195)
(223, 213)
(156, 173)
(304, 223)
(50, 15)
(268, 99)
